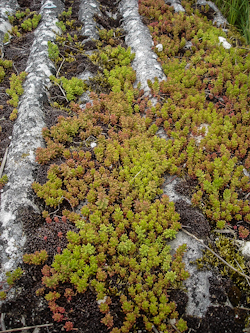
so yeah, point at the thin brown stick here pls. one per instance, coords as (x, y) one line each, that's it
(171, 180)
(219, 257)
(241, 270)
(60, 67)
(62, 90)
(155, 329)
(3, 162)
(26, 328)
(175, 327)
(15, 68)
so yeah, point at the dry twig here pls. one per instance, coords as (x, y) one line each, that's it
(3, 162)
(219, 257)
(26, 328)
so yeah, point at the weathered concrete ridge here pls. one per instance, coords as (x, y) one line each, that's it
(88, 9)
(139, 39)
(27, 136)
(7, 7)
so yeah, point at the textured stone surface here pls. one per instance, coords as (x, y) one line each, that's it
(219, 19)
(176, 4)
(198, 283)
(88, 9)
(139, 39)
(27, 136)
(7, 7)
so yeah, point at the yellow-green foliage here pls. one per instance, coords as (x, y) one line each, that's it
(3, 181)
(24, 22)
(123, 228)
(204, 108)
(12, 277)
(4, 64)
(227, 249)
(73, 87)
(16, 88)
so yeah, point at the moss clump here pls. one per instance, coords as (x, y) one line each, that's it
(226, 248)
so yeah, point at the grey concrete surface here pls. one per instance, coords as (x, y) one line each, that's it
(7, 7)
(27, 136)
(139, 39)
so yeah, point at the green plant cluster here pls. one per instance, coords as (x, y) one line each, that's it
(73, 87)
(124, 228)
(12, 277)
(111, 37)
(4, 64)
(36, 258)
(16, 88)
(204, 108)
(65, 50)
(64, 22)
(3, 181)
(237, 13)
(226, 247)
(23, 22)
(53, 51)
(115, 61)
(68, 47)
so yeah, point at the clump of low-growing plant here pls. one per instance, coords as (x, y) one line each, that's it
(203, 109)
(122, 232)
(23, 22)
(16, 88)
(124, 223)
(4, 64)
(3, 181)
(203, 106)
(11, 278)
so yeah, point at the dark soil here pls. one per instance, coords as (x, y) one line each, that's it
(192, 219)
(33, 5)
(210, 13)
(219, 319)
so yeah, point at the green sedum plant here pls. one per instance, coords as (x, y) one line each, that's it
(203, 108)
(23, 22)
(11, 278)
(16, 88)
(121, 247)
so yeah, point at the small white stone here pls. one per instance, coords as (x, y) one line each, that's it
(100, 301)
(246, 173)
(245, 250)
(172, 321)
(159, 47)
(49, 5)
(224, 43)
(93, 145)
(188, 45)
